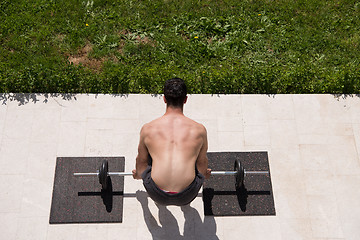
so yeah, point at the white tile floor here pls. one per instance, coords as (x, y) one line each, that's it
(314, 153)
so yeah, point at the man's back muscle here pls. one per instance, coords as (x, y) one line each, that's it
(174, 143)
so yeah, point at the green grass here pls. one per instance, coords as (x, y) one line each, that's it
(227, 46)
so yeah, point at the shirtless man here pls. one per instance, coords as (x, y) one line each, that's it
(172, 150)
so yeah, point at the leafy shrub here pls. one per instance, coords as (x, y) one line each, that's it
(132, 46)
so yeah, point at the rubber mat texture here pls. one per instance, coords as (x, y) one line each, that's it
(81, 199)
(255, 197)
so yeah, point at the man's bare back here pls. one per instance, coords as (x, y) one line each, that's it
(175, 144)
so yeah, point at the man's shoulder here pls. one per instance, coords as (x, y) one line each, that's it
(161, 122)
(145, 128)
(200, 127)
(148, 126)
(152, 123)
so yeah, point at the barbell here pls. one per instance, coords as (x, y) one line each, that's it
(103, 173)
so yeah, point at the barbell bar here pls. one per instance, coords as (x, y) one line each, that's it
(121, 174)
(103, 173)
(118, 174)
(234, 172)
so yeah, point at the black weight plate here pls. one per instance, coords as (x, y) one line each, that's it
(103, 174)
(239, 177)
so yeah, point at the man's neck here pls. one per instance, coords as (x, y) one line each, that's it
(174, 110)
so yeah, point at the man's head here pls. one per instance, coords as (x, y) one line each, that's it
(175, 92)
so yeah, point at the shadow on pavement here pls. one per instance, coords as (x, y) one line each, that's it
(168, 227)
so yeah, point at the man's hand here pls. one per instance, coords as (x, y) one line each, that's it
(135, 176)
(208, 173)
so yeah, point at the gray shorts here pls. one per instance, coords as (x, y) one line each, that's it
(179, 199)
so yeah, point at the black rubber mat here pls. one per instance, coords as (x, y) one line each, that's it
(81, 199)
(220, 196)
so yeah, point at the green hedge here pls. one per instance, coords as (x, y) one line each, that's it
(133, 46)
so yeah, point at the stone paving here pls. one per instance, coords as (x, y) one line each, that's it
(313, 142)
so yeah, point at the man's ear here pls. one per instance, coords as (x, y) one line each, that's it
(185, 99)
(164, 99)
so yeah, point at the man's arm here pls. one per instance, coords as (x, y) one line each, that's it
(142, 157)
(202, 160)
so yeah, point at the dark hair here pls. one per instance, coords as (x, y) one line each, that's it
(175, 92)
